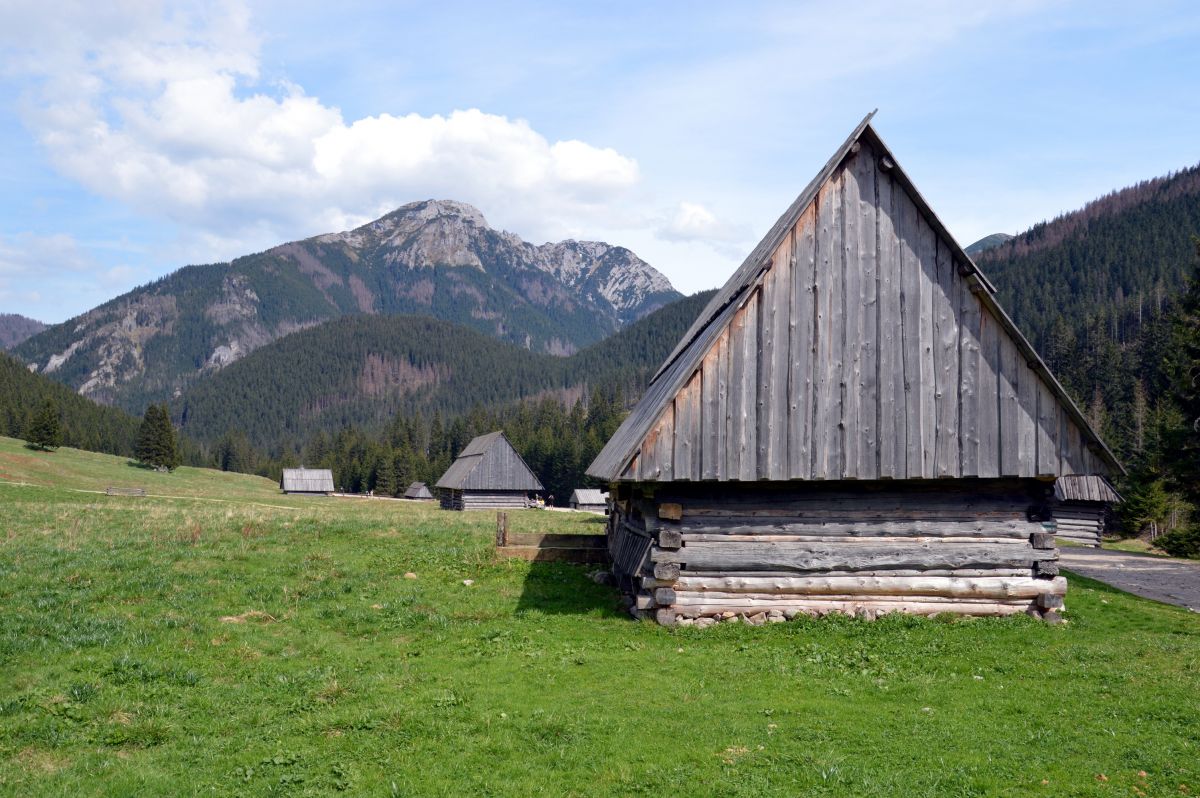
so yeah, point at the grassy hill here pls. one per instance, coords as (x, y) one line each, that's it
(272, 645)
(80, 470)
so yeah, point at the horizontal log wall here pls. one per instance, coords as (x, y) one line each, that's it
(862, 353)
(860, 548)
(1080, 522)
(480, 500)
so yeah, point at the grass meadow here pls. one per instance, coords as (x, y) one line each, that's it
(217, 638)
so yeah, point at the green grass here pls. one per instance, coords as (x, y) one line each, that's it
(1135, 545)
(271, 646)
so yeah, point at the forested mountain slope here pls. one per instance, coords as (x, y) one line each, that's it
(15, 329)
(85, 424)
(363, 370)
(438, 258)
(1104, 294)
(1113, 263)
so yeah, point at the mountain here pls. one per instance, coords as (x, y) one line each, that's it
(1116, 261)
(1097, 292)
(362, 370)
(986, 243)
(438, 258)
(85, 424)
(15, 328)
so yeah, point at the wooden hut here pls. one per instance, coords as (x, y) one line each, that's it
(1081, 508)
(313, 481)
(852, 424)
(592, 500)
(489, 474)
(418, 491)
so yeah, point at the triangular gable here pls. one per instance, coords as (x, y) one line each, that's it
(858, 341)
(489, 462)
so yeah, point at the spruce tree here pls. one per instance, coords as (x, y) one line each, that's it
(385, 476)
(156, 443)
(45, 430)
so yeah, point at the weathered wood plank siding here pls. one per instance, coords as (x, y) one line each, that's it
(863, 352)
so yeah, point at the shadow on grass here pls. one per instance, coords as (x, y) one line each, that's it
(146, 466)
(557, 588)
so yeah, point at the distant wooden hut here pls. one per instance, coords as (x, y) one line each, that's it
(489, 474)
(418, 491)
(314, 481)
(853, 424)
(592, 500)
(1081, 508)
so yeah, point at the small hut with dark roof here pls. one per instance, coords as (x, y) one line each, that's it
(592, 500)
(313, 481)
(489, 474)
(1081, 508)
(418, 491)
(853, 424)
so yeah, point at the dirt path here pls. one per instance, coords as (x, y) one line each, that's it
(1159, 578)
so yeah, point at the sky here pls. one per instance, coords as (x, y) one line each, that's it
(137, 137)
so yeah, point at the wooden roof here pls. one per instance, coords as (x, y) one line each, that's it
(418, 490)
(307, 480)
(1091, 488)
(489, 463)
(588, 496)
(857, 341)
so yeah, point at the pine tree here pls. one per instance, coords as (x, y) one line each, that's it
(385, 476)
(45, 431)
(157, 445)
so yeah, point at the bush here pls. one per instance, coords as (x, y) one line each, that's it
(1183, 542)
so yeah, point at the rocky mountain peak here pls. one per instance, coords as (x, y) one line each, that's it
(427, 210)
(435, 257)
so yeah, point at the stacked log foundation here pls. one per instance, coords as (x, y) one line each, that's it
(766, 552)
(483, 500)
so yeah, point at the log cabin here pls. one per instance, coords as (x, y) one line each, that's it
(310, 481)
(489, 474)
(1081, 508)
(590, 500)
(852, 424)
(418, 491)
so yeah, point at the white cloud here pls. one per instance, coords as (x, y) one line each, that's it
(694, 222)
(161, 107)
(25, 255)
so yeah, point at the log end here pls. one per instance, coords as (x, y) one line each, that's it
(670, 539)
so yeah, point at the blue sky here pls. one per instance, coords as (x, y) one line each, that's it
(138, 137)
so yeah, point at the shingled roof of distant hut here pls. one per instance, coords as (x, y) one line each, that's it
(590, 496)
(307, 480)
(418, 490)
(490, 463)
(1086, 488)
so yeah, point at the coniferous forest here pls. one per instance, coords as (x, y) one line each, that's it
(1107, 295)
(83, 423)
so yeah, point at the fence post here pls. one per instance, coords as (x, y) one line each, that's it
(501, 530)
